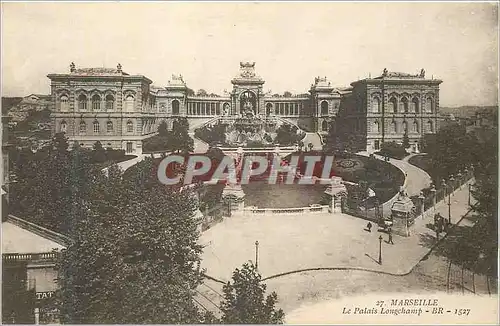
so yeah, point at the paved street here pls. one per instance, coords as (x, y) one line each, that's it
(300, 241)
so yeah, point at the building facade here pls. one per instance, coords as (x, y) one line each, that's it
(384, 108)
(121, 110)
(101, 104)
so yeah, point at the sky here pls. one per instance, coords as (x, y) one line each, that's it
(291, 43)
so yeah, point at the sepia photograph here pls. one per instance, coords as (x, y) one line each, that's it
(177, 162)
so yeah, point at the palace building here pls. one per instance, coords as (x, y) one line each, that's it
(121, 110)
(384, 108)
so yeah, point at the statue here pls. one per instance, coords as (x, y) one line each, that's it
(385, 72)
(247, 69)
(248, 108)
(72, 67)
(119, 67)
(422, 73)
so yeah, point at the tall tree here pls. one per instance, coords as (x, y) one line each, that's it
(450, 151)
(163, 129)
(245, 302)
(406, 140)
(201, 92)
(135, 256)
(181, 141)
(485, 190)
(98, 153)
(50, 181)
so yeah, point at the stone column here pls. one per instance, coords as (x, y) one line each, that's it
(421, 197)
(433, 192)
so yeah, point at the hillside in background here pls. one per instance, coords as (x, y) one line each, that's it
(464, 111)
(10, 102)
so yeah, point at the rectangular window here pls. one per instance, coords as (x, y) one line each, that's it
(129, 147)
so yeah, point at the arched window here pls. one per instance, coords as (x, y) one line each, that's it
(324, 108)
(129, 103)
(109, 126)
(429, 104)
(175, 107)
(83, 127)
(82, 102)
(394, 127)
(226, 108)
(431, 126)
(392, 105)
(63, 100)
(96, 102)
(63, 127)
(130, 126)
(324, 126)
(415, 105)
(415, 126)
(376, 105)
(269, 108)
(404, 105)
(405, 126)
(110, 102)
(376, 127)
(96, 127)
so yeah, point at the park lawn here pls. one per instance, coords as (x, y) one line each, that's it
(422, 161)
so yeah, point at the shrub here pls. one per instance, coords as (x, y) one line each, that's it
(393, 150)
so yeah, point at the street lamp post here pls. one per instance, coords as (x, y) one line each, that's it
(434, 201)
(449, 199)
(380, 250)
(444, 187)
(468, 200)
(256, 254)
(452, 183)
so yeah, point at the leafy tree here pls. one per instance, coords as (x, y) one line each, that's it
(163, 129)
(485, 190)
(341, 139)
(406, 140)
(301, 145)
(201, 92)
(136, 254)
(392, 149)
(50, 181)
(287, 94)
(244, 301)
(190, 92)
(288, 135)
(450, 151)
(212, 134)
(181, 141)
(98, 153)
(60, 142)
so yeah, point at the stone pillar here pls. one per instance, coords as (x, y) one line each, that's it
(421, 198)
(235, 197)
(37, 316)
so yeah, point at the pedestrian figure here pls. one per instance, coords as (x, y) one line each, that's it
(369, 227)
(390, 236)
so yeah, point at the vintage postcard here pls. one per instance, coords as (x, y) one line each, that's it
(249, 162)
